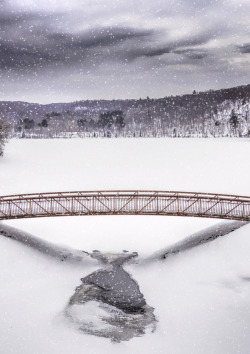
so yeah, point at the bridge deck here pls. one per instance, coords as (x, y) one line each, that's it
(125, 203)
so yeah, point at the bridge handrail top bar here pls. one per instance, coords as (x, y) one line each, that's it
(146, 193)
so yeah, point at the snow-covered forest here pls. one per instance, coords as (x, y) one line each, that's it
(221, 113)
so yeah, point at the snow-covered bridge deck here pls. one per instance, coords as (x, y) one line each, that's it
(206, 205)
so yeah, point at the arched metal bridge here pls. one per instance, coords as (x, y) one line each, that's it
(206, 205)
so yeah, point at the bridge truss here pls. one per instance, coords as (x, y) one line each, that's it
(125, 203)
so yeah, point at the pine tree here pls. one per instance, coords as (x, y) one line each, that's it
(234, 121)
(4, 131)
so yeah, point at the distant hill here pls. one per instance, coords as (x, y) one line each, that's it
(202, 113)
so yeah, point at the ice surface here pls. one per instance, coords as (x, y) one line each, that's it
(201, 297)
(200, 165)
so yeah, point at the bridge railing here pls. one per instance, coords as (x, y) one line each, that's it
(125, 203)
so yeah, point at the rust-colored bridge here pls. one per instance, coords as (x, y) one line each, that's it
(206, 205)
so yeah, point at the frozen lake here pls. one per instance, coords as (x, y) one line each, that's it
(201, 297)
(202, 165)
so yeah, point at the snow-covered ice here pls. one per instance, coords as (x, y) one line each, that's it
(200, 296)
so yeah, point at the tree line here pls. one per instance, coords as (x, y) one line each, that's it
(226, 120)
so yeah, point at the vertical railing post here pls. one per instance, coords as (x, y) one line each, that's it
(30, 207)
(136, 203)
(9, 208)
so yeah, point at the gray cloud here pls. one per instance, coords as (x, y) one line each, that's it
(244, 48)
(176, 47)
(15, 57)
(41, 48)
(192, 53)
(8, 20)
(99, 37)
(122, 42)
(45, 49)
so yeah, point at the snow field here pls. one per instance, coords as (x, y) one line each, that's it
(201, 297)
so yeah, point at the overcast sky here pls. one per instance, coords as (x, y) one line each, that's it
(61, 51)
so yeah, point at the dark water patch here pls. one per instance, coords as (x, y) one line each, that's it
(109, 303)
